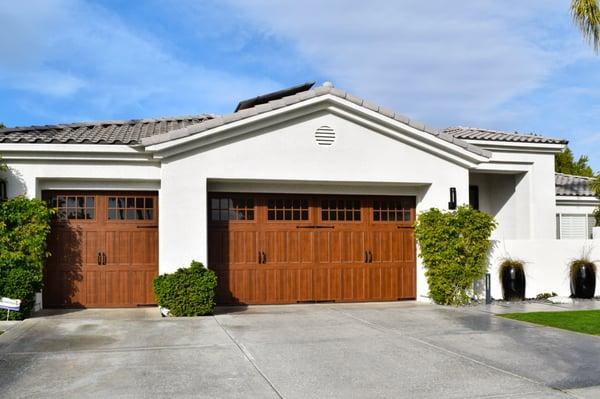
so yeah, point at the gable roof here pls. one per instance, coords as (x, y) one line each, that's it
(160, 130)
(303, 96)
(473, 133)
(573, 186)
(100, 132)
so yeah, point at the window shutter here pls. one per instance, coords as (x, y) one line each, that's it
(573, 226)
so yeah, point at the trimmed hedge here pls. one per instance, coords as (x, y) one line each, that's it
(24, 227)
(453, 246)
(190, 291)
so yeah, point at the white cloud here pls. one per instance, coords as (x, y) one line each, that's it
(430, 59)
(78, 51)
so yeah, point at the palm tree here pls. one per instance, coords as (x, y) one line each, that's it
(586, 15)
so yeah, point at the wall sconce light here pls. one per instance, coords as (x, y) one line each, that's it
(452, 203)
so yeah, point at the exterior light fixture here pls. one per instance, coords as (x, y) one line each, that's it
(452, 203)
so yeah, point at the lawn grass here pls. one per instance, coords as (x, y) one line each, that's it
(583, 321)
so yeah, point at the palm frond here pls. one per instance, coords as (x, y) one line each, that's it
(586, 15)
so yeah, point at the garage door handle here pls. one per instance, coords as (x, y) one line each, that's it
(99, 258)
(259, 257)
(104, 258)
(366, 257)
(264, 258)
(370, 257)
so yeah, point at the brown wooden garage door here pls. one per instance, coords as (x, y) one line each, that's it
(269, 249)
(104, 248)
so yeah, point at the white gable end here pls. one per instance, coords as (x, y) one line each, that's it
(287, 158)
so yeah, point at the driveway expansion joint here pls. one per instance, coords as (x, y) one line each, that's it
(249, 357)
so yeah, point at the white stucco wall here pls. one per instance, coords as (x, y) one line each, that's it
(546, 263)
(574, 208)
(518, 189)
(36, 167)
(360, 161)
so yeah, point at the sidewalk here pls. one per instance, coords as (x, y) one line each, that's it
(537, 306)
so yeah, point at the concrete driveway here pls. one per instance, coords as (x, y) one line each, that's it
(384, 350)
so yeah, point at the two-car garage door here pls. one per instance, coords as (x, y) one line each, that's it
(270, 249)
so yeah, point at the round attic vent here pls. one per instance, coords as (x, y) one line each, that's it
(325, 135)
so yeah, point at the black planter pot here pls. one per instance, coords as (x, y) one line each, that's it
(513, 283)
(583, 282)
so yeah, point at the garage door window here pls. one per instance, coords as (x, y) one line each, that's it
(393, 210)
(130, 208)
(74, 207)
(340, 210)
(228, 208)
(287, 209)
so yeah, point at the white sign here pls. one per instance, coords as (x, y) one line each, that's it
(10, 304)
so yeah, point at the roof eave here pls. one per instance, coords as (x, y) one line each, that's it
(518, 146)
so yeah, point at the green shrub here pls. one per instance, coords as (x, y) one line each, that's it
(24, 227)
(189, 291)
(453, 246)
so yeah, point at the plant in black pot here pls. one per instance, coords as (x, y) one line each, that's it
(512, 277)
(583, 278)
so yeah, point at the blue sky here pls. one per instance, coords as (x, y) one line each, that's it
(509, 65)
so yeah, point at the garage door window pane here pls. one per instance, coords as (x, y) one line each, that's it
(225, 208)
(344, 210)
(287, 209)
(130, 208)
(79, 207)
(393, 210)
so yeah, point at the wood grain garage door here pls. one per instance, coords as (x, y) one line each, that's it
(269, 249)
(104, 248)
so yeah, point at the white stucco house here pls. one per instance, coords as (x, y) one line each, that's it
(306, 194)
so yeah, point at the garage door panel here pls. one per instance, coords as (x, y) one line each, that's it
(374, 284)
(144, 248)
(409, 245)
(95, 289)
(305, 284)
(72, 254)
(398, 246)
(141, 286)
(358, 245)
(408, 280)
(321, 284)
(323, 245)
(219, 248)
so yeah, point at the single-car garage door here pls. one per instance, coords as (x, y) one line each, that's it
(269, 249)
(104, 249)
